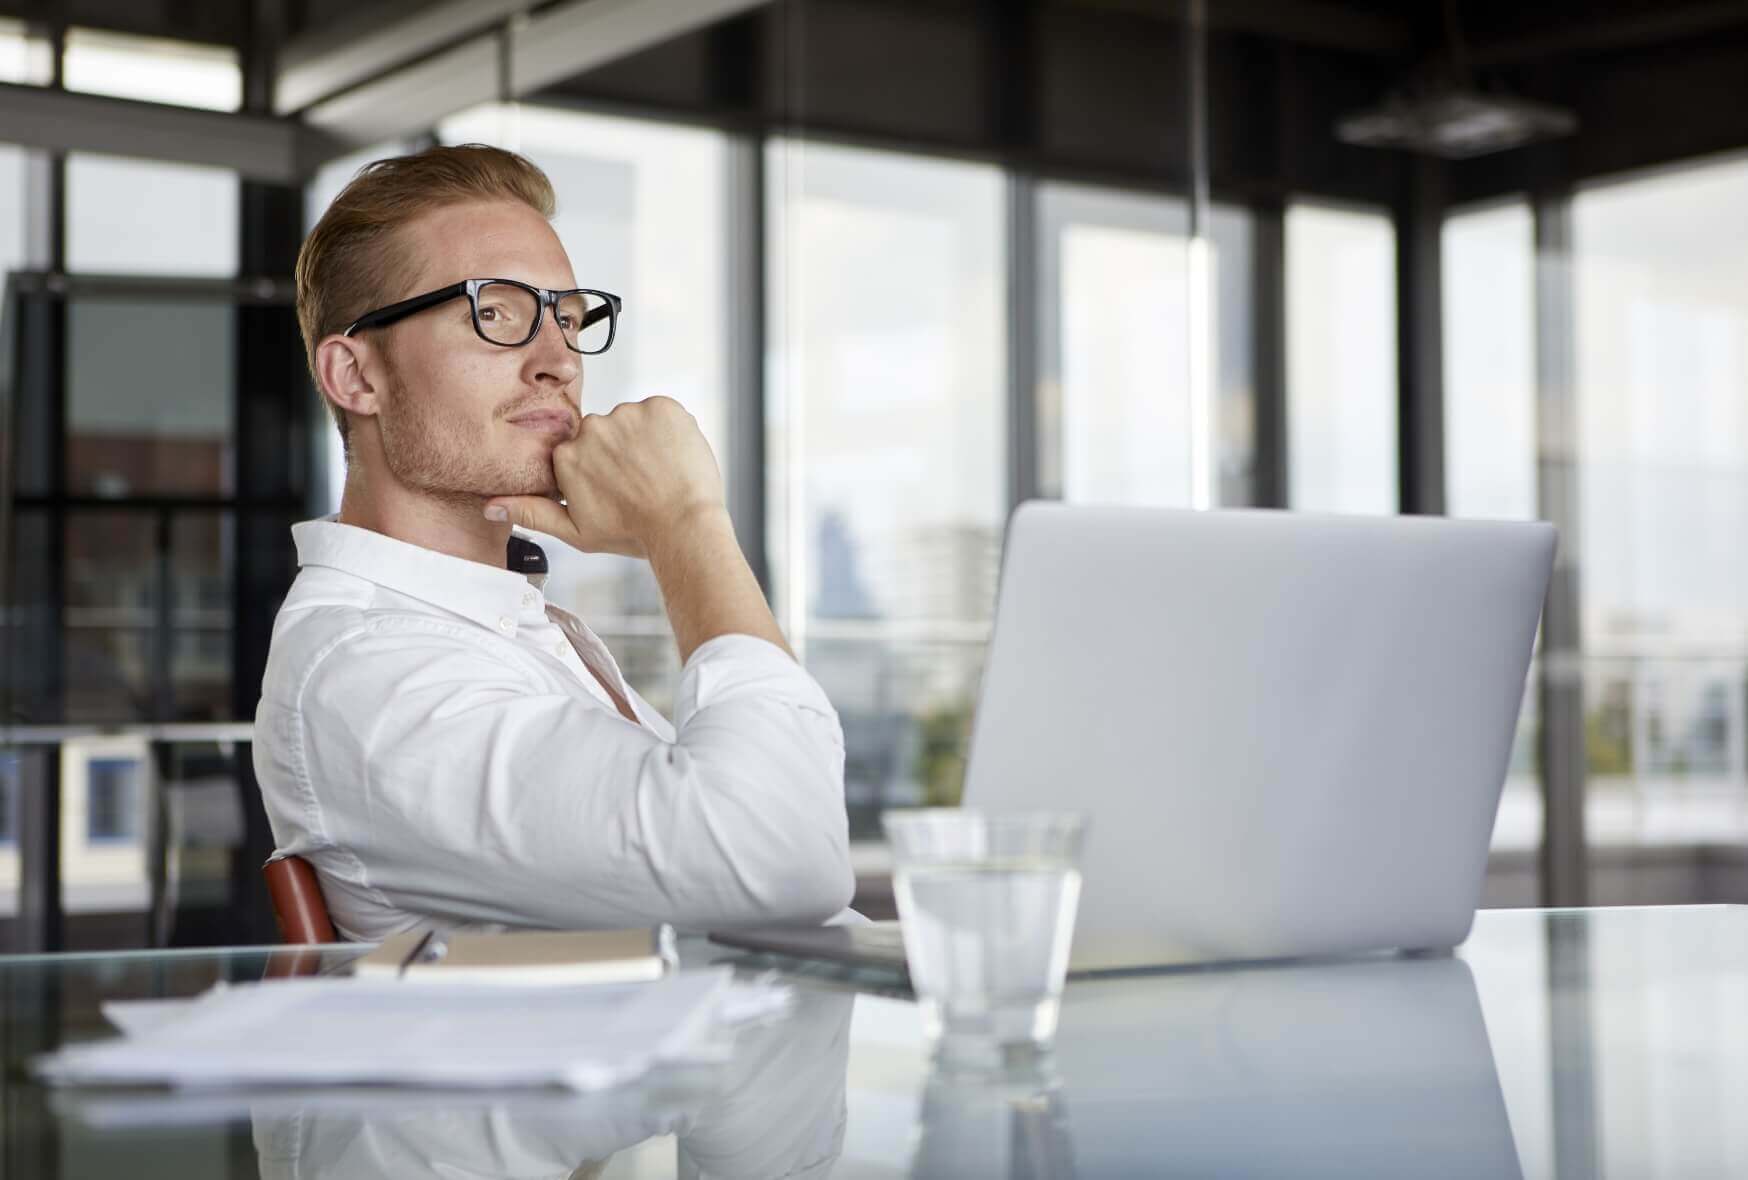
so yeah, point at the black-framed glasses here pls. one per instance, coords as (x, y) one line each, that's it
(508, 313)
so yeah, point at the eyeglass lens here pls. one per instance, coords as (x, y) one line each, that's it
(508, 315)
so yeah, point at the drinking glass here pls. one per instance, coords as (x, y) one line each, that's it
(987, 904)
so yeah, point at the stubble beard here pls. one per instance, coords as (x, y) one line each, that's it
(440, 452)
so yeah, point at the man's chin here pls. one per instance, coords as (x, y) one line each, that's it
(533, 484)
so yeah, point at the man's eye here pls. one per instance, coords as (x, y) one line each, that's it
(488, 313)
(567, 323)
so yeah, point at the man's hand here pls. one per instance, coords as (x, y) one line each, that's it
(629, 477)
(641, 481)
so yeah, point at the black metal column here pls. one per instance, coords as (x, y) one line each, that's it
(1564, 861)
(1010, 101)
(1419, 217)
(1269, 353)
(272, 407)
(39, 675)
(746, 296)
(1572, 1050)
(41, 923)
(736, 64)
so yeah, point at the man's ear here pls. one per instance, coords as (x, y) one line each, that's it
(340, 362)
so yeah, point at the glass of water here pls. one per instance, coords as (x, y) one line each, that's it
(987, 903)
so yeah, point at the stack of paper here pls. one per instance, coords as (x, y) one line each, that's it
(347, 1031)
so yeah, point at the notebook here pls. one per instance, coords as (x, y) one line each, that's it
(522, 957)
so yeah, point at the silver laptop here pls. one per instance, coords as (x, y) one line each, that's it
(1290, 731)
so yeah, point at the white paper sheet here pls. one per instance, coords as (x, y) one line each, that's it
(348, 1031)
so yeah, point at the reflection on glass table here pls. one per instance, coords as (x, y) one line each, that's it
(1554, 1043)
(776, 1110)
(1372, 1068)
(995, 1121)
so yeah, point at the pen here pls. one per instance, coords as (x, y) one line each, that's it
(428, 949)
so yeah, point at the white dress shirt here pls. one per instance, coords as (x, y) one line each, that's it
(430, 739)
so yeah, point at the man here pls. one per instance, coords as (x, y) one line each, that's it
(440, 743)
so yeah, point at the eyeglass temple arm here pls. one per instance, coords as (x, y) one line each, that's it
(595, 315)
(405, 308)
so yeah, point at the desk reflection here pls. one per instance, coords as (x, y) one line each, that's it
(1007, 1121)
(1378, 1067)
(1356, 1069)
(775, 1110)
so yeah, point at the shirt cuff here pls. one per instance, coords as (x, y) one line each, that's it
(737, 665)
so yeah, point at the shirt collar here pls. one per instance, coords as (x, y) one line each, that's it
(487, 596)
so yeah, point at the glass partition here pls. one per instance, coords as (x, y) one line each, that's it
(1491, 440)
(152, 69)
(885, 415)
(1661, 310)
(128, 216)
(1341, 359)
(1115, 285)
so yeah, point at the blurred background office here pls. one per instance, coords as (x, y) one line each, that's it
(909, 262)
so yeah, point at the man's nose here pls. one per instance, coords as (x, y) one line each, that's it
(550, 354)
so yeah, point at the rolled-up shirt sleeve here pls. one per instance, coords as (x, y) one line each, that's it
(442, 784)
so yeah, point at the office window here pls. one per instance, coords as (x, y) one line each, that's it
(24, 59)
(1490, 429)
(127, 216)
(110, 616)
(1341, 359)
(12, 777)
(10, 785)
(150, 386)
(1661, 354)
(147, 617)
(1114, 359)
(886, 427)
(1490, 363)
(112, 799)
(201, 561)
(1232, 235)
(642, 213)
(152, 69)
(106, 785)
(16, 245)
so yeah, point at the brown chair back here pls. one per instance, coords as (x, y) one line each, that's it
(298, 905)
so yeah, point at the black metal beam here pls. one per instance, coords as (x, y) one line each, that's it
(1572, 1081)
(1011, 97)
(747, 328)
(41, 342)
(1419, 218)
(256, 146)
(1564, 853)
(1022, 340)
(41, 924)
(1644, 27)
(1269, 354)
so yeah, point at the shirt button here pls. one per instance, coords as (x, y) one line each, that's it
(506, 625)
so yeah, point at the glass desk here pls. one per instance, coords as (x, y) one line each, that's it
(1555, 1043)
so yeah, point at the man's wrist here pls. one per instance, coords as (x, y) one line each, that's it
(688, 525)
(703, 525)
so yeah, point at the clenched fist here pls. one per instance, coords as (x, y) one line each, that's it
(628, 478)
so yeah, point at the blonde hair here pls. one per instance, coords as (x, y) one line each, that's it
(353, 256)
